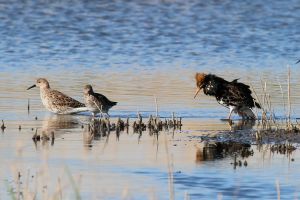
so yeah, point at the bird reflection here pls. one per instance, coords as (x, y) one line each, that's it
(53, 126)
(88, 137)
(59, 122)
(97, 129)
(219, 150)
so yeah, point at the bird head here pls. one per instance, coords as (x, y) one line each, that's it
(87, 89)
(200, 77)
(41, 83)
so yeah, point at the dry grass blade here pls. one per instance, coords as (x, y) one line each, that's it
(74, 185)
(156, 106)
(289, 98)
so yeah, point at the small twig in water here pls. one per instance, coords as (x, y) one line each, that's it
(156, 106)
(3, 126)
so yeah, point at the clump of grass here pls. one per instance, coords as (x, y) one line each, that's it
(103, 127)
(271, 127)
(156, 124)
(283, 148)
(282, 133)
(21, 189)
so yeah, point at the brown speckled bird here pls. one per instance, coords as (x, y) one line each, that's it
(57, 102)
(96, 102)
(234, 95)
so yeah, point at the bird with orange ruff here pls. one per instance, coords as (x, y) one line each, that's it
(233, 95)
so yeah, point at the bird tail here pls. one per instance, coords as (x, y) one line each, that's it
(246, 113)
(113, 103)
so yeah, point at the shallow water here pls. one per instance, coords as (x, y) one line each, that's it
(133, 52)
(134, 167)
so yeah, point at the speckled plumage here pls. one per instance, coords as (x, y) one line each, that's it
(234, 95)
(96, 102)
(57, 102)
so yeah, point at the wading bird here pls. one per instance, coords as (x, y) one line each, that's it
(96, 103)
(57, 102)
(234, 95)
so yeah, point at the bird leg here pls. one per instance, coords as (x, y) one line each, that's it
(100, 110)
(230, 112)
(243, 115)
(229, 120)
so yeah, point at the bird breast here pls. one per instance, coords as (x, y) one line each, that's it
(90, 101)
(46, 99)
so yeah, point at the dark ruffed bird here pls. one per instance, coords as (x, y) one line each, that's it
(96, 102)
(234, 95)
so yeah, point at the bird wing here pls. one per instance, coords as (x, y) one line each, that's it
(104, 100)
(239, 94)
(60, 99)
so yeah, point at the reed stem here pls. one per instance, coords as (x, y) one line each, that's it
(289, 97)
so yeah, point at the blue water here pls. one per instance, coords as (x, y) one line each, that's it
(148, 34)
(134, 51)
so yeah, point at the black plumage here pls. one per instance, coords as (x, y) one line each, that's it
(234, 95)
(104, 100)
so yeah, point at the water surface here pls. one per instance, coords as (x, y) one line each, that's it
(134, 51)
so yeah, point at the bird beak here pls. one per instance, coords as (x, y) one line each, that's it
(197, 91)
(31, 87)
